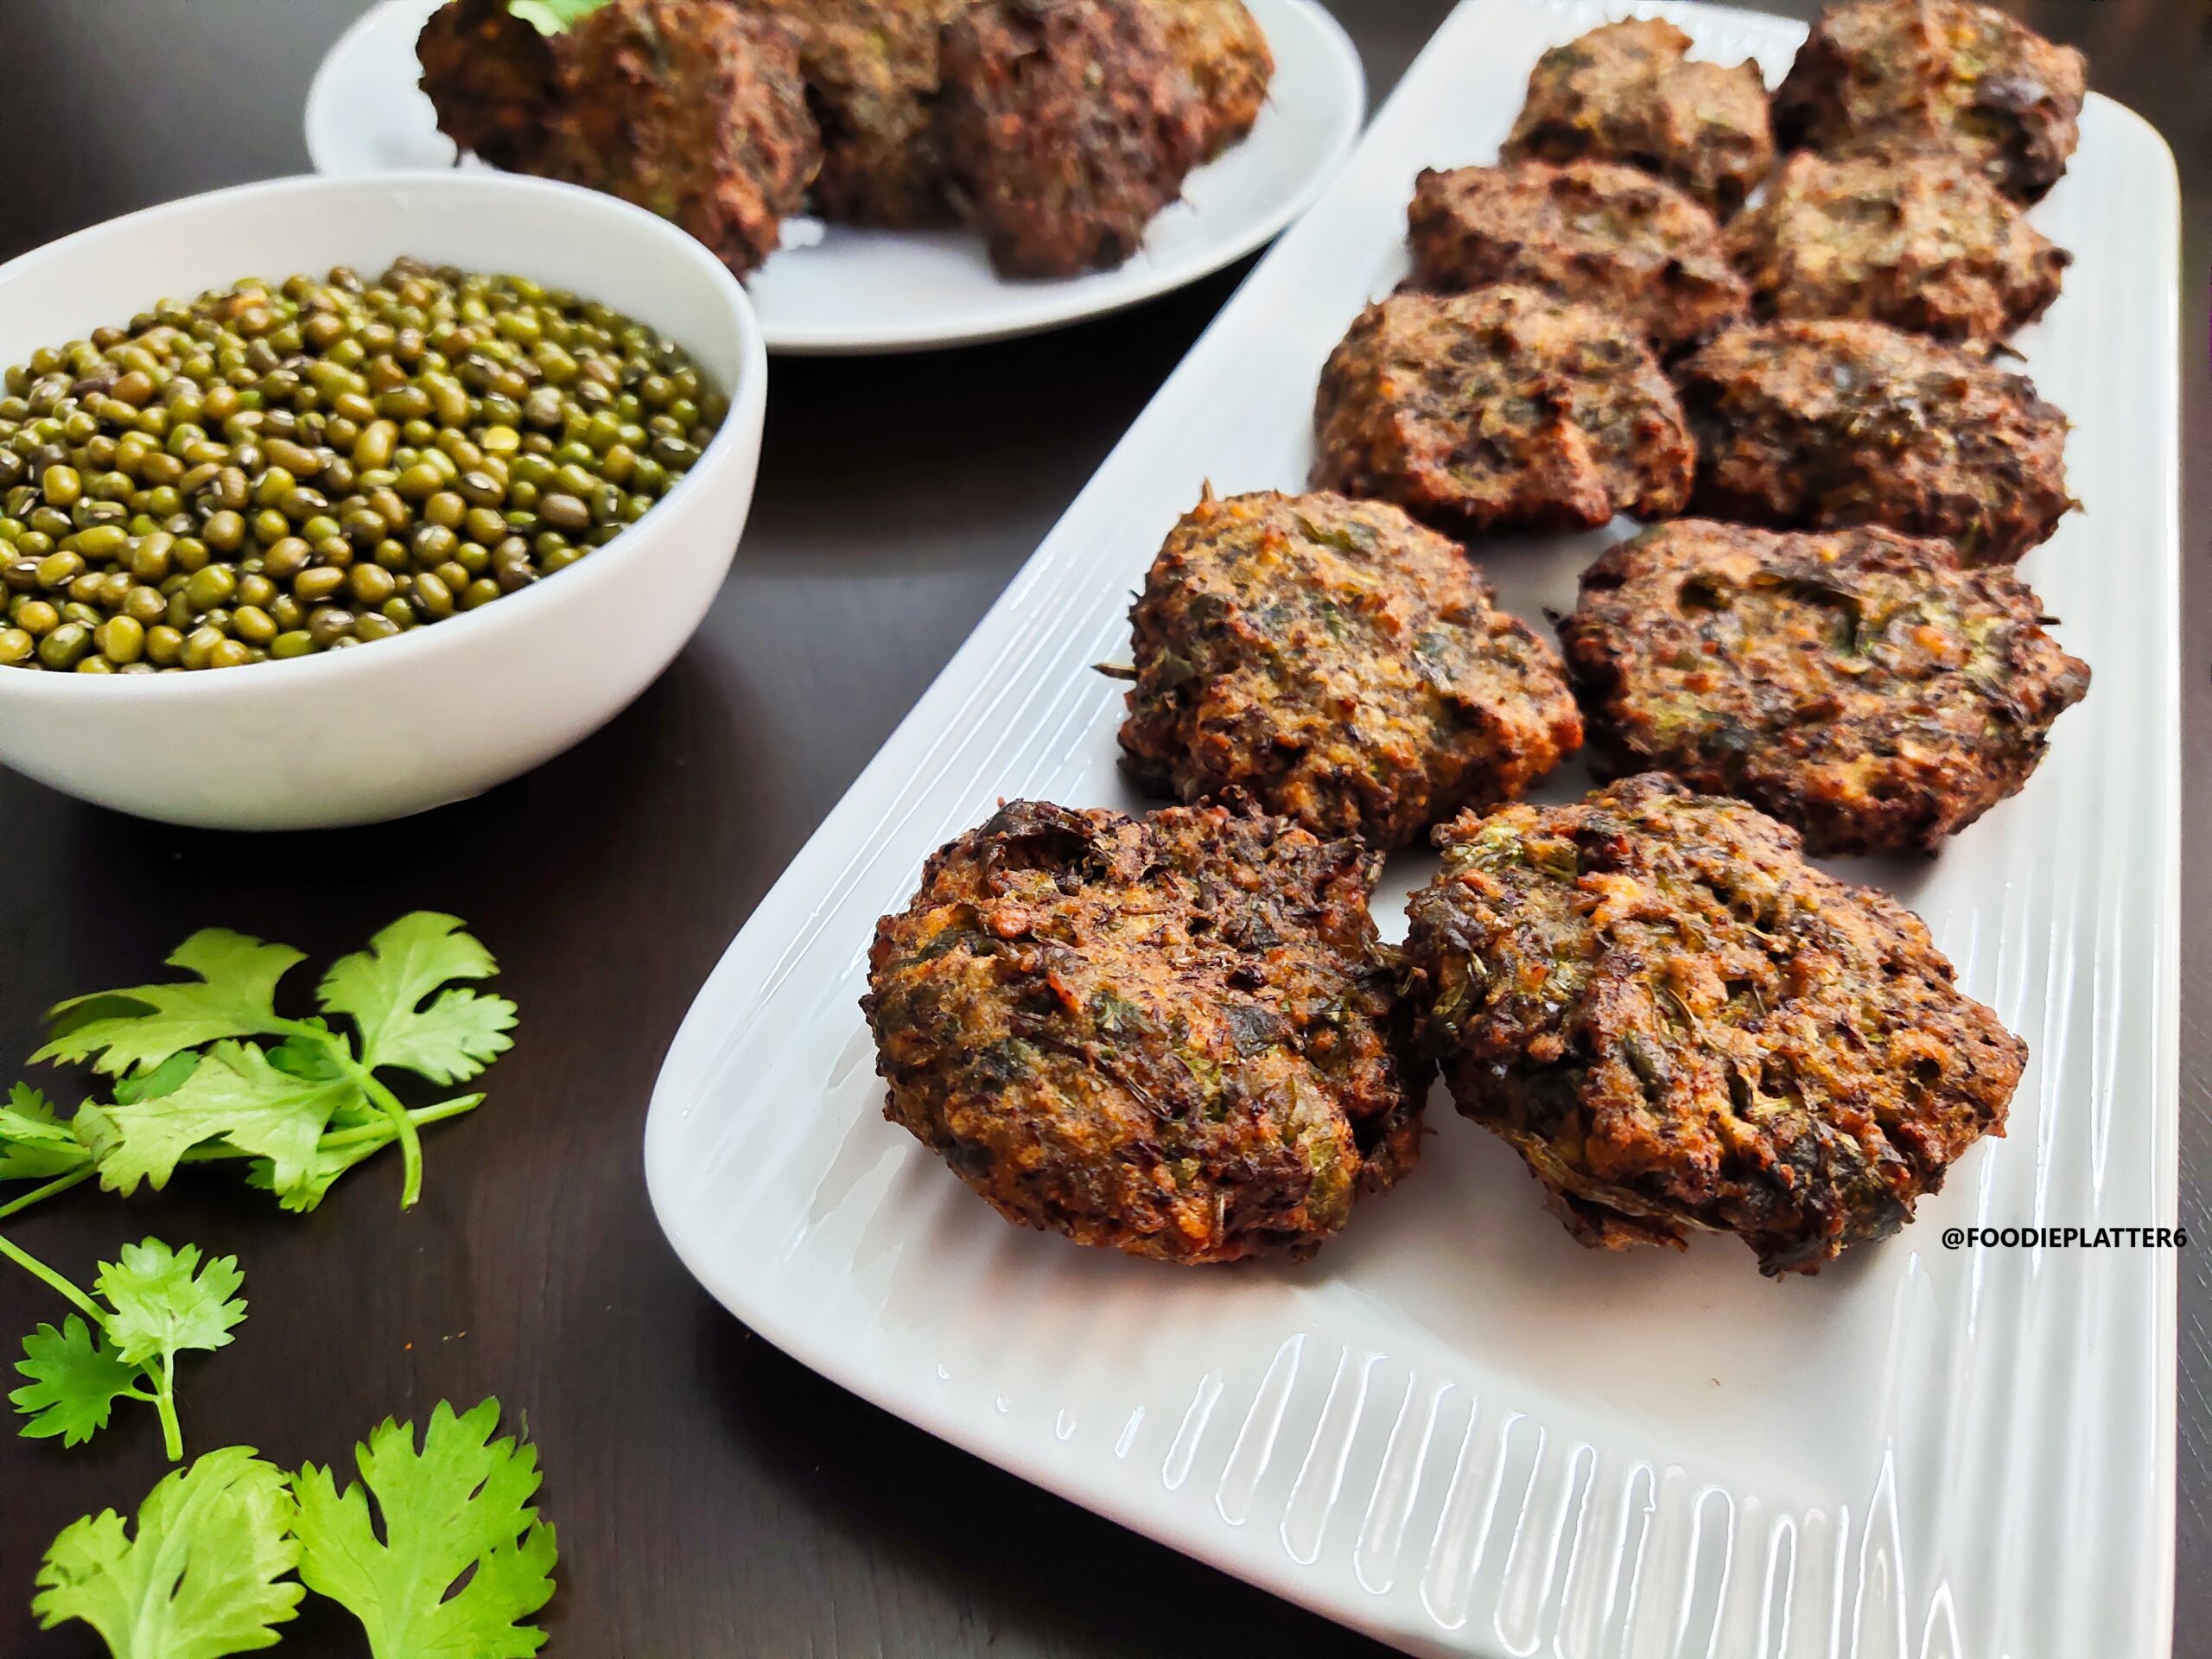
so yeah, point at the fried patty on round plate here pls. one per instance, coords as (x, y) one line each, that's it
(1680, 1025)
(1596, 233)
(872, 78)
(1177, 1035)
(1897, 77)
(1629, 92)
(1341, 663)
(693, 108)
(1863, 688)
(1069, 124)
(1502, 409)
(489, 77)
(1813, 425)
(1221, 48)
(1924, 243)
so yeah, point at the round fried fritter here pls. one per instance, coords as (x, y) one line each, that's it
(1680, 1024)
(1814, 425)
(1175, 1035)
(1629, 92)
(1858, 686)
(1221, 48)
(1345, 666)
(489, 77)
(1924, 243)
(873, 75)
(1896, 76)
(1501, 409)
(1069, 124)
(692, 108)
(1596, 232)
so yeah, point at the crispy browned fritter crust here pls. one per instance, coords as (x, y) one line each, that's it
(1924, 243)
(1069, 124)
(489, 77)
(1175, 1035)
(694, 108)
(1596, 232)
(1345, 666)
(1221, 48)
(1900, 76)
(1861, 687)
(1680, 1024)
(872, 76)
(1816, 425)
(1628, 92)
(1502, 409)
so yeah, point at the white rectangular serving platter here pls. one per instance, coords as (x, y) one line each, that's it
(1456, 1428)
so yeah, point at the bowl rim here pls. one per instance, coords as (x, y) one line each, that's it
(740, 430)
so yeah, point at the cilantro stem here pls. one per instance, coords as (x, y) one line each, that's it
(58, 1184)
(165, 1404)
(420, 1116)
(411, 1143)
(53, 1281)
(341, 1054)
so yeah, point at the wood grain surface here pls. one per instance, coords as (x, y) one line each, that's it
(713, 1497)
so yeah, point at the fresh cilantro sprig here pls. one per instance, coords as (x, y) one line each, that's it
(206, 1068)
(461, 1506)
(206, 1575)
(153, 1304)
(553, 16)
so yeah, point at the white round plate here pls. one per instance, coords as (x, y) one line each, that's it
(840, 289)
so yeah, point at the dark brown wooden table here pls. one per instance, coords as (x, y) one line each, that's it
(714, 1497)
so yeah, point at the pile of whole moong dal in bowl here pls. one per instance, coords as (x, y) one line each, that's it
(276, 470)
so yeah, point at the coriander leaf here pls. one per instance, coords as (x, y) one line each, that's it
(137, 1029)
(162, 1080)
(235, 1096)
(382, 989)
(76, 1378)
(165, 1302)
(462, 1502)
(201, 1579)
(553, 16)
(307, 1186)
(357, 1131)
(35, 1143)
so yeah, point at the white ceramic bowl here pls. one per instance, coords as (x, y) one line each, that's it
(440, 713)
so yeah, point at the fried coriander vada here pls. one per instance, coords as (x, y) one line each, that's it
(1682, 1026)
(1629, 91)
(1864, 688)
(1504, 409)
(1900, 77)
(1594, 232)
(1815, 425)
(1345, 666)
(1177, 1036)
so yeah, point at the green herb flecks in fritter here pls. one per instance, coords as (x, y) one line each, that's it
(1069, 126)
(1595, 232)
(1221, 47)
(1862, 687)
(1817, 425)
(1680, 1025)
(1176, 1035)
(1347, 667)
(1502, 409)
(1900, 77)
(873, 77)
(1924, 243)
(1629, 92)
